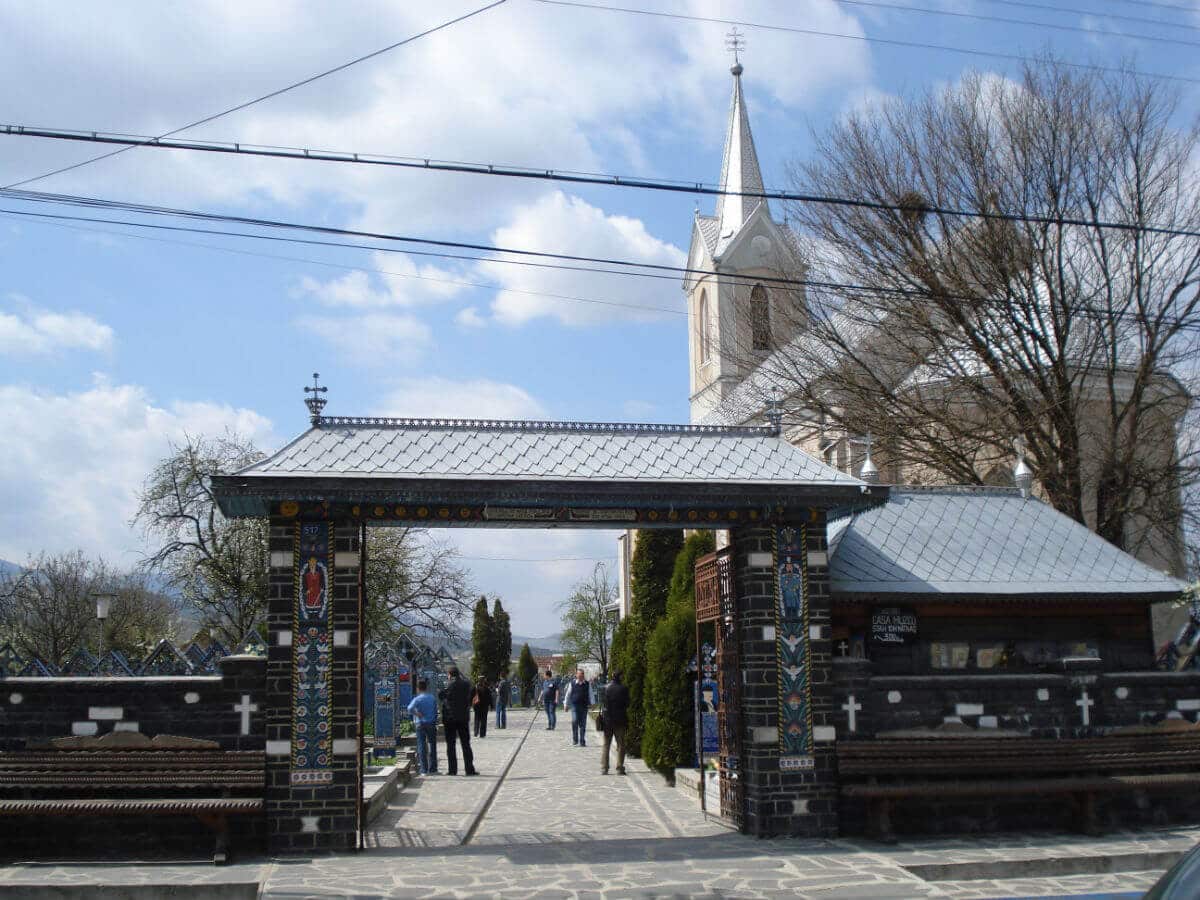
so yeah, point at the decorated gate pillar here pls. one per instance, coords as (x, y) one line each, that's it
(313, 702)
(781, 580)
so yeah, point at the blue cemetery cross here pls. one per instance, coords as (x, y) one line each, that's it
(404, 691)
(385, 719)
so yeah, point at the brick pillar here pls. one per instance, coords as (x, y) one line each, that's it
(786, 792)
(243, 685)
(312, 784)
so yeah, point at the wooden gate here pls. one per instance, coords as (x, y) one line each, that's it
(716, 602)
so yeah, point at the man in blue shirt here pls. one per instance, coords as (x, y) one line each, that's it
(424, 712)
(550, 700)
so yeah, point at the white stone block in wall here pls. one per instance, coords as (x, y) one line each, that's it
(308, 824)
(345, 560)
(818, 558)
(768, 632)
(759, 560)
(1122, 693)
(191, 697)
(279, 748)
(84, 728)
(283, 639)
(968, 709)
(1043, 694)
(814, 632)
(799, 807)
(341, 637)
(894, 697)
(345, 747)
(106, 713)
(824, 733)
(952, 720)
(1174, 714)
(15, 698)
(989, 722)
(765, 734)
(1187, 705)
(281, 559)
(126, 726)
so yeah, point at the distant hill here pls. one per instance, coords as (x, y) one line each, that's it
(9, 568)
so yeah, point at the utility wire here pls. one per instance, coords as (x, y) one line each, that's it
(1091, 12)
(835, 287)
(1160, 5)
(347, 267)
(981, 17)
(268, 96)
(494, 169)
(894, 42)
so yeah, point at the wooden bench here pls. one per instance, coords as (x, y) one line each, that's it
(209, 785)
(885, 771)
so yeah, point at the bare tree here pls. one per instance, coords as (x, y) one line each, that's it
(949, 336)
(219, 565)
(587, 620)
(48, 609)
(413, 584)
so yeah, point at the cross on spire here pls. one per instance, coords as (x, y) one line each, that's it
(735, 42)
(315, 402)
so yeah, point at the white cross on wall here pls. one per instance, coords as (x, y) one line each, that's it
(851, 708)
(844, 648)
(245, 708)
(1085, 703)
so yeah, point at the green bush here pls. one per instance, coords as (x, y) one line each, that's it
(682, 594)
(668, 740)
(629, 658)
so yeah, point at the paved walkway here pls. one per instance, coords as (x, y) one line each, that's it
(541, 821)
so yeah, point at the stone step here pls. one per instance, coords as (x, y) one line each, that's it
(1045, 866)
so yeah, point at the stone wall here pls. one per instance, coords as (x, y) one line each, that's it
(35, 710)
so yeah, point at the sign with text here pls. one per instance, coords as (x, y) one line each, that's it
(892, 625)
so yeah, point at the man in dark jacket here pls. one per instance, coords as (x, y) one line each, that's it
(616, 715)
(456, 720)
(579, 697)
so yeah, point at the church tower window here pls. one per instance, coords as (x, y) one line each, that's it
(760, 318)
(702, 325)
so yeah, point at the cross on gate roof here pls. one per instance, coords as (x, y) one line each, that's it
(372, 460)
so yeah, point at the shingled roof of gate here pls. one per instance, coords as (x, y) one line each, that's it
(568, 451)
(979, 540)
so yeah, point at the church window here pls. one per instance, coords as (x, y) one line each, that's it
(760, 318)
(702, 324)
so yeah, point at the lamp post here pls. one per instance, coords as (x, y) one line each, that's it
(103, 606)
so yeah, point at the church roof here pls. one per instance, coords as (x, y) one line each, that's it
(710, 231)
(574, 451)
(739, 166)
(979, 541)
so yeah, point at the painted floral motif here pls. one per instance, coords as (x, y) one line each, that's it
(312, 653)
(791, 611)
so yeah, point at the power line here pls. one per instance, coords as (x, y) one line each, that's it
(268, 96)
(498, 170)
(345, 266)
(1091, 12)
(1016, 57)
(840, 288)
(1160, 5)
(981, 17)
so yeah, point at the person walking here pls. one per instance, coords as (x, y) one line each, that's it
(481, 702)
(579, 697)
(550, 700)
(616, 716)
(502, 691)
(456, 722)
(423, 709)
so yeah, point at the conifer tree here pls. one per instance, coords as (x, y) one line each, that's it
(502, 635)
(527, 673)
(482, 641)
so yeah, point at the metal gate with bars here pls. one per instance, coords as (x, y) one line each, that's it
(716, 602)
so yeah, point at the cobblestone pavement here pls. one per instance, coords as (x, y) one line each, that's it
(550, 825)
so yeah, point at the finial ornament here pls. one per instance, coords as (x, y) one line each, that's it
(1022, 474)
(735, 42)
(775, 411)
(868, 472)
(315, 402)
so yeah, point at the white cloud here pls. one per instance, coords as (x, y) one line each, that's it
(31, 330)
(469, 317)
(479, 398)
(74, 463)
(396, 281)
(372, 339)
(566, 224)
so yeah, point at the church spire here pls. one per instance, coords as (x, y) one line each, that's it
(739, 168)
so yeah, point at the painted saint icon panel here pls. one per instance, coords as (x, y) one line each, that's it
(312, 652)
(791, 612)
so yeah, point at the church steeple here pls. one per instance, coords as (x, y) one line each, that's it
(739, 168)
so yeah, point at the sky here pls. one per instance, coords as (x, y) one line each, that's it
(115, 341)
